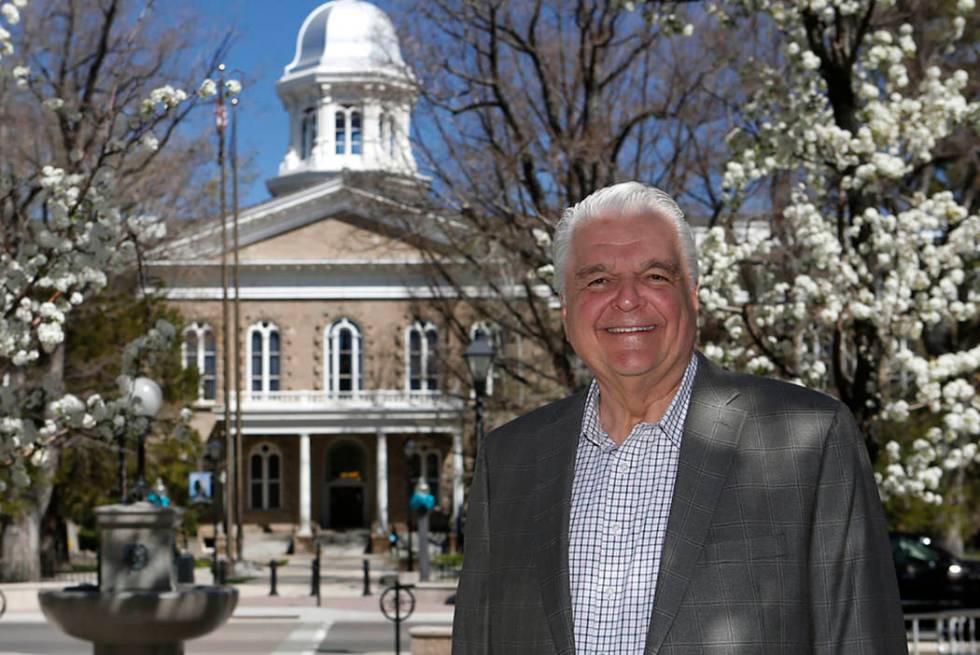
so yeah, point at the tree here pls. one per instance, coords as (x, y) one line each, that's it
(88, 113)
(864, 281)
(527, 107)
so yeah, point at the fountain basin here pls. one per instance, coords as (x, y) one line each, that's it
(138, 617)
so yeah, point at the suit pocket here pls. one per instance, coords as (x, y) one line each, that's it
(761, 547)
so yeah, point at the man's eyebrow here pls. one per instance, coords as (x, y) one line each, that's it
(670, 266)
(589, 270)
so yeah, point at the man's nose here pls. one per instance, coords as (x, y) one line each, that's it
(627, 297)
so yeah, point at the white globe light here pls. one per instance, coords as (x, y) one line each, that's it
(149, 395)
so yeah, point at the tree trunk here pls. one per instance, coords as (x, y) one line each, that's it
(20, 540)
(20, 553)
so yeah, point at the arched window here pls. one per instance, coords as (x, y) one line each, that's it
(492, 332)
(197, 352)
(421, 357)
(343, 356)
(340, 133)
(426, 462)
(264, 477)
(308, 133)
(355, 133)
(264, 357)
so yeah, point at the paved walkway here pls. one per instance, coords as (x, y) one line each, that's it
(342, 604)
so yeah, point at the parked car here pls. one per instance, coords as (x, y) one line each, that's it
(932, 578)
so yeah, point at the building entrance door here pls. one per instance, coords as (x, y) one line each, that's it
(345, 505)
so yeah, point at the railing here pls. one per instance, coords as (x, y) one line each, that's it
(953, 632)
(380, 398)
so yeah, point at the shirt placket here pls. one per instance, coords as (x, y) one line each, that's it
(616, 542)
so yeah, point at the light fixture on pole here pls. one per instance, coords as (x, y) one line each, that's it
(146, 397)
(479, 359)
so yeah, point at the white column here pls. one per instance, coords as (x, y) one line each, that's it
(304, 486)
(457, 474)
(381, 476)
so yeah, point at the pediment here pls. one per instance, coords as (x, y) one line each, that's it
(336, 237)
(333, 220)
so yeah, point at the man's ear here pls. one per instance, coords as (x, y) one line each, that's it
(564, 308)
(694, 298)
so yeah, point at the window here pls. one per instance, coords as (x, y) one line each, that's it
(308, 133)
(198, 353)
(264, 357)
(265, 477)
(340, 133)
(422, 348)
(426, 463)
(343, 356)
(348, 132)
(355, 133)
(492, 332)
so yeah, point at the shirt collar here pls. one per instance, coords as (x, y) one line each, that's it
(671, 423)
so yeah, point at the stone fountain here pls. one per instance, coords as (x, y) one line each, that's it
(138, 608)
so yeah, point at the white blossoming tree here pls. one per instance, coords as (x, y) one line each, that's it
(83, 116)
(864, 283)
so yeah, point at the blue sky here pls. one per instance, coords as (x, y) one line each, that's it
(266, 43)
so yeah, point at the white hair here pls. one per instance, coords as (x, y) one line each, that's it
(626, 198)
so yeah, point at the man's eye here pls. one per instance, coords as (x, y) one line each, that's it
(657, 277)
(598, 282)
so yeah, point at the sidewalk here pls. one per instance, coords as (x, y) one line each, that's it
(341, 589)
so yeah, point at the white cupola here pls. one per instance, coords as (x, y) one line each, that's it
(349, 97)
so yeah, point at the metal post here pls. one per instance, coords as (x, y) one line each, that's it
(479, 419)
(367, 578)
(273, 591)
(423, 523)
(398, 618)
(408, 542)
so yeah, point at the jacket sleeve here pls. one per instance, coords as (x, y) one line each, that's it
(471, 626)
(854, 599)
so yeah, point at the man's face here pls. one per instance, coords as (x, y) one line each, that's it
(628, 309)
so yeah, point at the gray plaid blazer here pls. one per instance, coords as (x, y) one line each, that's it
(776, 540)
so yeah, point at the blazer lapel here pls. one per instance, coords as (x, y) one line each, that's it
(711, 434)
(557, 445)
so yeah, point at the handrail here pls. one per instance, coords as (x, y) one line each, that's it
(371, 397)
(955, 631)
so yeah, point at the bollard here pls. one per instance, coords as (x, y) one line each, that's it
(273, 580)
(222, 571)
(314, 577)
(367, 578)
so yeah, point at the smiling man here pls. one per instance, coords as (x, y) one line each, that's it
(670, 507)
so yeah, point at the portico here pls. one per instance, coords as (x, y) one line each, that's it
(345, 451)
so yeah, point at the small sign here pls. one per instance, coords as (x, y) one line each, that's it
(199, 487)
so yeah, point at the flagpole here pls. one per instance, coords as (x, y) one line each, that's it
(221, 122)
(239, 459)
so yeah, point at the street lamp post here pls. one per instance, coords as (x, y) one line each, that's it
(213, 456)
(479, 359)
(410, 449)
(147, 397)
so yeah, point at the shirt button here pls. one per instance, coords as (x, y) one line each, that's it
(615, 528)
(624, 467)
(610, 592)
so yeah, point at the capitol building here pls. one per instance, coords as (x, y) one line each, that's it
(340, 362)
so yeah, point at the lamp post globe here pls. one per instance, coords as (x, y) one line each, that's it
(479, 358)
(146, 397)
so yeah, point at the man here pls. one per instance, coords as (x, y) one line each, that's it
(672, 507)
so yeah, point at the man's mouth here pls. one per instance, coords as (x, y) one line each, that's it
(631, 330)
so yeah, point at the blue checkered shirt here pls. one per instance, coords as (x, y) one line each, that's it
(620, 503)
